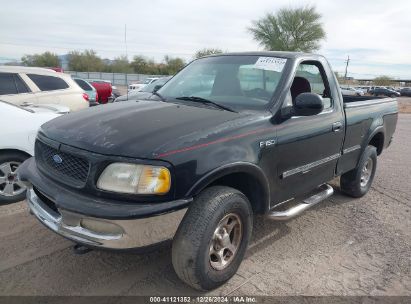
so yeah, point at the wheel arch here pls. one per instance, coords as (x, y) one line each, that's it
(4, 151)
(245, 177)
(377, 139)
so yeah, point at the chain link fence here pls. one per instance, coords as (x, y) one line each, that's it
(118, 79)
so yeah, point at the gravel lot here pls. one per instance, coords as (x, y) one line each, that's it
(342, 246)
(404, 104)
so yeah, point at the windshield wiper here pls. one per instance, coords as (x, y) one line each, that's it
(206, 101)
(160, 96)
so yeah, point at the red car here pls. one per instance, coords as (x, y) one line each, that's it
(103, 88)
(57, 69)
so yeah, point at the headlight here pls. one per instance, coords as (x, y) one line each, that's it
(136, 179)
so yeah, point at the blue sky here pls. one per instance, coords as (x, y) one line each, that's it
(376, 34)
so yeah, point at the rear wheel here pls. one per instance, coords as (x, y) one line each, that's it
(211, 240)
(11, 188)
(357, 182)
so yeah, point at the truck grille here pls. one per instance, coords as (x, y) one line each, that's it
(75, 169)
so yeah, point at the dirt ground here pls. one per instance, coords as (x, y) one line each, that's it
(342, 246)
(404, 104)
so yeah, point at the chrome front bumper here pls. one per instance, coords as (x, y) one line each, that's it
(105, 233)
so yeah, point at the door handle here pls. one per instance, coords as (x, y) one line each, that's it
(337, 126)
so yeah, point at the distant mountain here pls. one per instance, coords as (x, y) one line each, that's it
(9, 61)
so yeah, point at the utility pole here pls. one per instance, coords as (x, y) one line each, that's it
(346, 66)
(125, 38)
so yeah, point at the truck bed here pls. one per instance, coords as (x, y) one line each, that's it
(365, 117)
(350, 99)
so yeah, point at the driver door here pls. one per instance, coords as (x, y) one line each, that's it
(308, 147)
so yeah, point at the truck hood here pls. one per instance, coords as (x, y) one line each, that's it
(140, 129)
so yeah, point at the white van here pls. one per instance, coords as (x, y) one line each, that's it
(19, 85)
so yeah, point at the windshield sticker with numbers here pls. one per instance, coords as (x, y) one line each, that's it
(270, 63)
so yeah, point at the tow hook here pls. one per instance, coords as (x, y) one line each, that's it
(81, 249)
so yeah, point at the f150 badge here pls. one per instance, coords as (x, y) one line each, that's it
(267, 143)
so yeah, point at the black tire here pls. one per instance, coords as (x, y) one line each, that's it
(15, 158)
(194, 239)
(353, 183)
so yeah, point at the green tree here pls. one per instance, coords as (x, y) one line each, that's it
(383, 81)
(86, 61)
(207, 51)
(169, 66)
(46, 59)
(139, 64)
(119, 65)
(298, 30)
(173, 65)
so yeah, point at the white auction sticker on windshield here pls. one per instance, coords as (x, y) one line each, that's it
(270, 63)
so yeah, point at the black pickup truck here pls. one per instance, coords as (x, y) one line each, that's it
(228, 137)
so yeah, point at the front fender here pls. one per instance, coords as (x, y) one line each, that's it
(250, 169)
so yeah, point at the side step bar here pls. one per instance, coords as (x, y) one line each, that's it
(325, 191)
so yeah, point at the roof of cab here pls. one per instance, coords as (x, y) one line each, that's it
(269, 54)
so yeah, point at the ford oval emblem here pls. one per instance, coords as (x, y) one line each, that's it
(57, 159)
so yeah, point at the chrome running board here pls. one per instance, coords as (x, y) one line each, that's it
(324, 192)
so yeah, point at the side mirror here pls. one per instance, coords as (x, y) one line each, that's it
(307, 104)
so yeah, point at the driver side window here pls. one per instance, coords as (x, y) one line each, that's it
(310, 78)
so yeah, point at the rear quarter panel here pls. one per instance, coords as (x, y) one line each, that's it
(364, 120)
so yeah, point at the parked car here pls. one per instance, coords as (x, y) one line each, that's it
(405, 92)
(384, 92)
(376, 87)
(89, 90)
(200, 164)
(115, 93)
(17, 143)
(57, 69)
(103, 88)
(348, 91)
(145, 92)
(40, 86)
(139, 86)
(134, 86)
(47, 108)
(365, 89)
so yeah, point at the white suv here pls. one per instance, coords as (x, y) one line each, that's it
(21, 85)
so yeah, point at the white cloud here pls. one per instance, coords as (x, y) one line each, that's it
(375, 34)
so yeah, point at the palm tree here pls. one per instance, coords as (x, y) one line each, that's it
(297, 30)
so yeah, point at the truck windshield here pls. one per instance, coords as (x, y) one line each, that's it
(235, 81)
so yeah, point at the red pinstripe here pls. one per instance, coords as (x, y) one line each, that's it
(225, 139)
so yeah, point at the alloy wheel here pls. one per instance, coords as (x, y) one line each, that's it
(226, 241)
(10, 185)
(366, 172)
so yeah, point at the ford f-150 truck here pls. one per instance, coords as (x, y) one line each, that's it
(228, 137)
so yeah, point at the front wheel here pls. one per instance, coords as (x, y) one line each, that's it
(11, 188)
(357, 182)
(212, 238)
